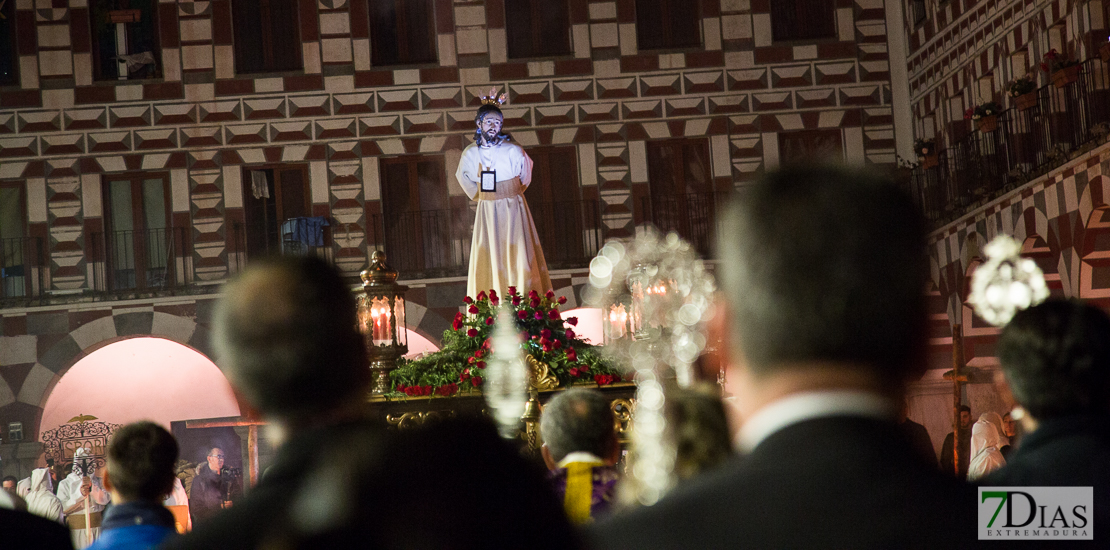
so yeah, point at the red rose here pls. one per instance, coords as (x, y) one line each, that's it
(516, 300)
(538, 315)
(562, 300)
(468, 300)
(616, 378)
(570, 334)
(572, 355)
(573, 372)
(547, 346)
(471, 360)
(494, 300)
(492, 293)
(485, 344)
(473, 309)
(533, 294)
(572, 321)
(481, 295)
(545, 333)
(480, 364)
(400, 387)
(472, 332)
(549, 295)
(489, 321)
(476, 381)
(535, 302)
(553, 314)
(584, 368)
(512, 290)
(557, 344)
(456, 324)
(522, 315)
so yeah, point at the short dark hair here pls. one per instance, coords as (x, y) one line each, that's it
(9, 478)
(1056, 358)
(577, 420)
(286, 333)
(965, 408)
(826, 263)
(141, 461)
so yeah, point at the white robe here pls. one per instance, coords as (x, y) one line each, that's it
(69, 492)
(40, 500)
(505, 250)
(985, 457)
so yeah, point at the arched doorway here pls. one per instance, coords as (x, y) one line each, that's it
(143, 378)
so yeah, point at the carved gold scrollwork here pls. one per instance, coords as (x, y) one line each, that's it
(409, 420)
(539, 375)
(622, 416)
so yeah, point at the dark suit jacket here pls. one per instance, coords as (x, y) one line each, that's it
(1064, 452)
(833, 482)
(29, 532)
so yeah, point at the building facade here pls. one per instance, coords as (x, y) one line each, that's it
(150, 149)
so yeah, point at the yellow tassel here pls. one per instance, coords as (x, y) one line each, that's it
(580, 489)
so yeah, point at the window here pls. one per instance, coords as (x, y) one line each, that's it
(274, 195)
(682, 197)
(267, 36)
(402, 32)
(422, 232)
(15, 251)
(569, 227)
(811, 144)
(667, 24)
(803, 19)
(9, 61)
(125, 39)
(537, 28)
(138, 240)
(917, 9)
(15, 431)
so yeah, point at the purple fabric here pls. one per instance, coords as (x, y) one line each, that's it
(605, 484)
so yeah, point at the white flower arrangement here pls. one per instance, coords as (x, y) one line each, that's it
(1005, 283)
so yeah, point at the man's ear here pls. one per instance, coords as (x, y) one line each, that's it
(548, 460)
(106, 478)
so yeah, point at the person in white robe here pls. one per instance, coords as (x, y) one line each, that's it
(985, 442)
(505, 250)
(40, 498)
(72, 491)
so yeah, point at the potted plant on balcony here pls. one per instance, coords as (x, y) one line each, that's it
(1024, 92)
(927, 152)
(985, 116)
(1064, 70)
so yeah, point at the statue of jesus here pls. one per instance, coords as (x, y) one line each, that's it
(495, 171)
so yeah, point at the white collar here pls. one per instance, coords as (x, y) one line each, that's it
(579, 456)
(805, 406)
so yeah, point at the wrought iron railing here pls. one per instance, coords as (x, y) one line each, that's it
(149, 260)
(692, 215)
(278, 243)
(426, 243)
(22, 270)
(1026, 143)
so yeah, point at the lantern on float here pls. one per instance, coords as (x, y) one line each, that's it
(381, 318)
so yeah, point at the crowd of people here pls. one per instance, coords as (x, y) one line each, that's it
(824, 323)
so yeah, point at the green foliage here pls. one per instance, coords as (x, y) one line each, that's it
(460, 365)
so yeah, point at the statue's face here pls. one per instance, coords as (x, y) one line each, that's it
(490, 126)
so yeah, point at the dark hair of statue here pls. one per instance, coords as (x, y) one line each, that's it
(577, 420)
(482, 112)
(141, 461)
(1056, 358)
(826, 264)
(287, 334)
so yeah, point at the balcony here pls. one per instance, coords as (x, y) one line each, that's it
(1027, 143)
(692, 215)
(22, 270)
(140, 261)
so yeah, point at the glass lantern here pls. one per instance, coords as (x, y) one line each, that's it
(381, 317)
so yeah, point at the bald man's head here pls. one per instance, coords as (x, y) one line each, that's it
(286, 335)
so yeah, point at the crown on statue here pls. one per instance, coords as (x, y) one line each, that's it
(493, 98)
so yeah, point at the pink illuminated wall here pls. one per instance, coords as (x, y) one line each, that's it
(589, 324)
(418, 345)
(141, 379)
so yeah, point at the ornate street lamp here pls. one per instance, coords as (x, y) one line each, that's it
(381, 318)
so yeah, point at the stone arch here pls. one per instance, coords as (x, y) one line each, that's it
(425, 322)
(93, 335)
